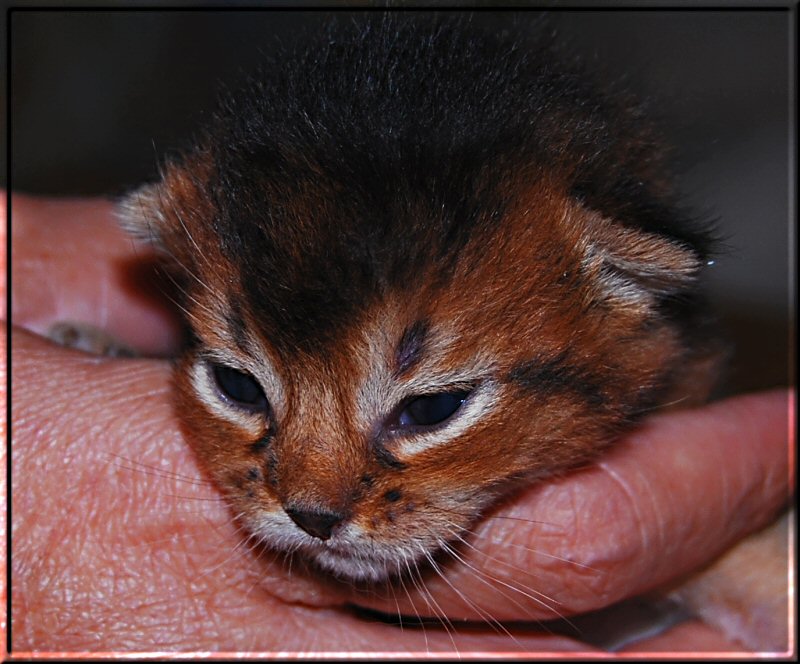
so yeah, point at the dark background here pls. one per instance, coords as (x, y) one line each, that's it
(99, 97)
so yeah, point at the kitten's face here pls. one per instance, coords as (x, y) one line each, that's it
(366, 441)
(421, 264)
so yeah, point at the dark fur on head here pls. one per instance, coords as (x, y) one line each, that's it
(377, 170)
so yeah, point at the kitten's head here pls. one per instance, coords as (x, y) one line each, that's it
(418, 268)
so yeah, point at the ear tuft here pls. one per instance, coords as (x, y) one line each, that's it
(633, 264)
(140, 214)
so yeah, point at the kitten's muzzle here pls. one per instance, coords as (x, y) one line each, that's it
(318, 524)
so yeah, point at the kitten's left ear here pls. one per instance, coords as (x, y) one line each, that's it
(634, 264)
(140, 214)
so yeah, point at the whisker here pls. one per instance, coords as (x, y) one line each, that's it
(155, 471)
(487, 577)
(218, 499)
(662, 406)
(530, 549)
(420, 621)
(438, 612)
(538, 552)
(489, 517)
(390, 586)
(486, 617)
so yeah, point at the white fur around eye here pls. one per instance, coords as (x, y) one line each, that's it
(202, 379)
(478, 405)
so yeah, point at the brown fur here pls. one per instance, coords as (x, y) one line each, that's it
(411, 212)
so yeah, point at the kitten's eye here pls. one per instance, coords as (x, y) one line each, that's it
(431, 409)
(239, 388)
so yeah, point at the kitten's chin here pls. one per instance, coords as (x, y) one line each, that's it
(350, 568)
(352, 561)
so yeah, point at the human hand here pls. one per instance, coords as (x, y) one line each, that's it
(120, 544)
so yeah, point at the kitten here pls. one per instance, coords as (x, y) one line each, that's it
(422, 264)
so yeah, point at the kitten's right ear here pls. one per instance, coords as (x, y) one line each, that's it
(140, 214)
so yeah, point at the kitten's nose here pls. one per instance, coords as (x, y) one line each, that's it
(317, 523)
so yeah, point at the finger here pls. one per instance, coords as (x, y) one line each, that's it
(71, 262)
(667, 499)
(121, 544)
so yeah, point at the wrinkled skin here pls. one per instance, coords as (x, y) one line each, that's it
(120, 544)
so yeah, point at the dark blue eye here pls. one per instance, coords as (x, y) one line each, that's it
(239, 388)
(431, 409)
